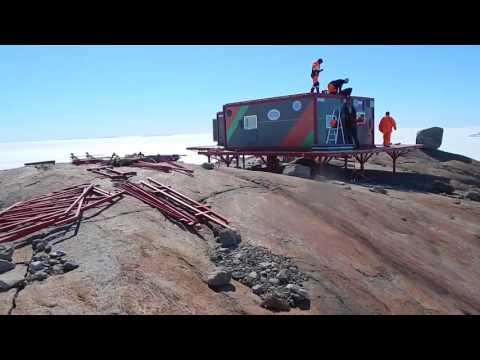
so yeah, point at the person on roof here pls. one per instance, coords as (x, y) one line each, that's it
(387, 123)
(315, 74)
(335, 86)
(349, 115)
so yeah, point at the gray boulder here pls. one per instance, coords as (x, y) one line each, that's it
(473, 195)
(6, 266)
(229, 238)
(219, 278)
(431, 138)
(6, 252)
(298, 171)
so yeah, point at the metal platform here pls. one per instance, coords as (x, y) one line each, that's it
(270, 157)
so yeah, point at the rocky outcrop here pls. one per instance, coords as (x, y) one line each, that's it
(431, 138)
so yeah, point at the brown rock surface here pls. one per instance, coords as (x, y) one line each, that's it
(361, 256)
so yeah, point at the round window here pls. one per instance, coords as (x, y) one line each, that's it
(273, 115)
(297, 105)
(229, 112)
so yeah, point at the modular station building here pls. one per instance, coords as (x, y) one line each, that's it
(295, 126)
(298, 122)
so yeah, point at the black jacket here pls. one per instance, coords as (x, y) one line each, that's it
(338, 84)
(349, 116)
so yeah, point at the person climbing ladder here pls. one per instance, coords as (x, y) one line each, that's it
(315, 75)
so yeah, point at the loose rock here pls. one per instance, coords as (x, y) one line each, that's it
(36, 266)
(57, 254)
(70, 265)
(229, 238)
(6, 266)
(6, 252)
(219, 278)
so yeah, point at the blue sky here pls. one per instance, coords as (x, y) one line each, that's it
(65, 92)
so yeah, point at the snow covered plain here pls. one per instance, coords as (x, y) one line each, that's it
(15, 154)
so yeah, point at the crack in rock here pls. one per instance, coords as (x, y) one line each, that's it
(227, 190)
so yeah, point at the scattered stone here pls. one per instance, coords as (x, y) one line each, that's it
(13, 279)
(229, 238)
(57, 254)
(264, 272)
(431, 138)
(338, 183)
(40, 246)
(40, 257)
(442, 187)
(301, 293)
(57, 269)
(282, 277)
(258, 289)
(36, 266)
(275, 303)
(208, 166)
(274, 281)
(298, 171)
(473, 195)
(219, 278)
(379, 189)
(48, 249)
(237, 275)
(39, 276)
(53, 262)
(348, 188)
(457, 202)
(6, 252)
(70, 265)
(6, 266)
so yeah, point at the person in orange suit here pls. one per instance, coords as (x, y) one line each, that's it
(387, 123)
(315, 74)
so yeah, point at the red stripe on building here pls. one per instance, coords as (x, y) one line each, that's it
(229, 119)
(300, 130)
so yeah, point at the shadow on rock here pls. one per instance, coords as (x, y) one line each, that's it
(444, 156)
(224, 288)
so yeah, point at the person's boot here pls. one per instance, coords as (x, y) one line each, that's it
(311, 90)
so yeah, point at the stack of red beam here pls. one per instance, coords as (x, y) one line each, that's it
(165, 166)
(173, 204)
(55, 209)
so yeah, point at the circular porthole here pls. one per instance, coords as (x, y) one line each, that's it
(273, 115)
(229, 112)
(297, 105)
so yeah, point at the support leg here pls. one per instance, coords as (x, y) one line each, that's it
(243, 161)
(208, 158)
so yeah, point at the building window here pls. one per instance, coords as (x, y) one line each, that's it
(250, 122)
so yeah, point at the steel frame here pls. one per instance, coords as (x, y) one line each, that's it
(53, 209)
(322, 157)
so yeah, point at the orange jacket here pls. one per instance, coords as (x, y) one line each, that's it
(386, 124)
